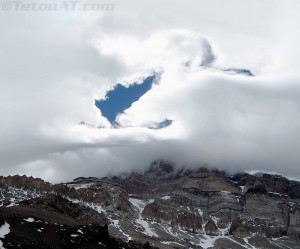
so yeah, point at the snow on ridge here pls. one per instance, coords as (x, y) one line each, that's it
(171, 242)
(80, 185)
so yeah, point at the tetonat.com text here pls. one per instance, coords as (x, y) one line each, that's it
(56, 6)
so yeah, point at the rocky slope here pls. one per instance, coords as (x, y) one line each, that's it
(163, 207)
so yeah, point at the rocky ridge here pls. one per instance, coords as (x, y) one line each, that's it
(163, 207)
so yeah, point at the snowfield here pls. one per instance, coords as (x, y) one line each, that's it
(4, 230)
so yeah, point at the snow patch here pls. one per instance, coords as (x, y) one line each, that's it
(12, 205)
(215, 219)
(117, 226)
(200, 211)
(80, 185)
(138, 203)
(146, 227)
(99, 243)
(171, 242)
(226, 194)
(29, 219)
(275, 193)
(4, 230)
(208, 242)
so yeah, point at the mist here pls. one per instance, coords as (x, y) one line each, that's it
(51, 75)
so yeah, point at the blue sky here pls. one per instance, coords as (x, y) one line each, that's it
(121, 98)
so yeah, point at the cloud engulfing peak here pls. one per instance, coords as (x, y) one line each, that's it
(217, 114)
(161, 50)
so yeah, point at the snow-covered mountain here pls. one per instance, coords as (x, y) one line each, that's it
(163, 207)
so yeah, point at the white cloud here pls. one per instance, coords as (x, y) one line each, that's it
(51, 75)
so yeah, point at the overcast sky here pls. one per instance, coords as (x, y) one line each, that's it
(55, 64)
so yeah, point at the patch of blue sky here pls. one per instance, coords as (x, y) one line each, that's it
(121, 98)
(163, 124)
(245, 72)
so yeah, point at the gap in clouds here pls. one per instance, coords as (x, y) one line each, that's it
(160, 125)
(122, 97)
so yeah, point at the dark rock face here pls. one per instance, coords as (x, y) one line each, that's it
(163, 207)
(41, 235)
(162, 178)
(270, 205)
(71, 213)
(162, 210)
(268, 183)
(294, 226)
(25, 182)
(241, 232)
(211, 228)
(54, 222)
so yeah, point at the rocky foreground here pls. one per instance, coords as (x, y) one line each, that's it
(163, 207)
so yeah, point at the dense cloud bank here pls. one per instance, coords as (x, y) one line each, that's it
(53, 65)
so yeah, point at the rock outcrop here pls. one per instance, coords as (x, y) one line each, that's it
(211, 228)
(164, 211)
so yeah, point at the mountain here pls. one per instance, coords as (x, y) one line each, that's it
(162, 207)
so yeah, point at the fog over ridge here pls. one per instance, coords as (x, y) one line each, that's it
(51, 76)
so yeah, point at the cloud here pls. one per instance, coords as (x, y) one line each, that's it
(52, 74)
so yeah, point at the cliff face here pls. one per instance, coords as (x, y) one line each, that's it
(162, 207)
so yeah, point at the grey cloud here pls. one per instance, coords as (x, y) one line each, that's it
(51, 71)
